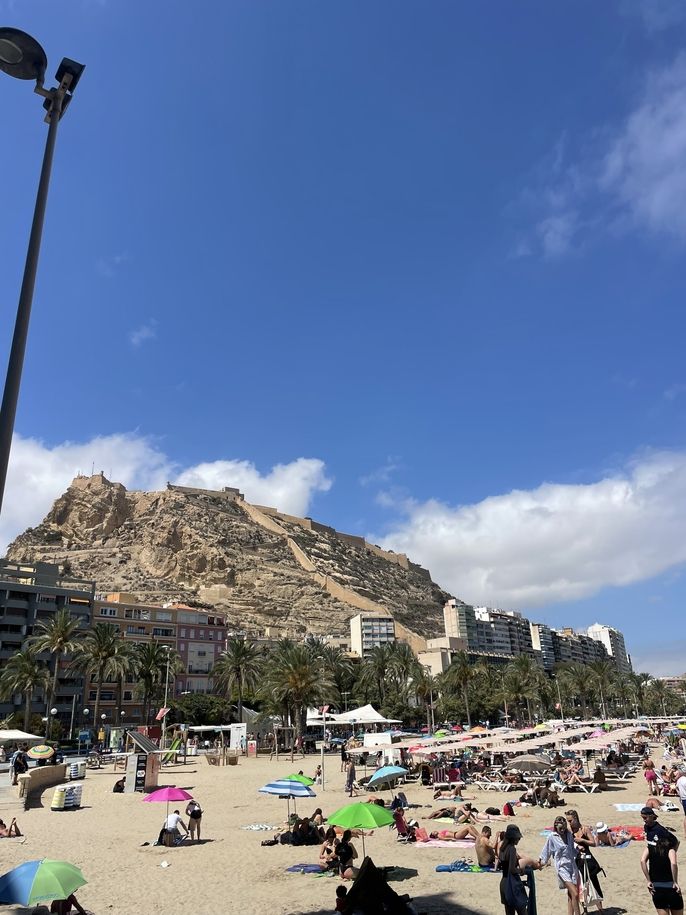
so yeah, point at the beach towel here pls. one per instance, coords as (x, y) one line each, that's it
(260, 827)
(463, 867)
(444, 843)
(625, 808)
(304, 869)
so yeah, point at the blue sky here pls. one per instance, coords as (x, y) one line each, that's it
(413, 269)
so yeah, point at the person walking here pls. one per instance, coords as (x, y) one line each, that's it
(585, 861)
(350, 778)
(194, 814)
(513, 895)
(560, 849)
(659, 866)
(681, 789)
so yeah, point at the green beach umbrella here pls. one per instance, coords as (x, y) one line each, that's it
(361, 816)
(303, 779)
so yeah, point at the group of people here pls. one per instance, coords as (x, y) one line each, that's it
(170, 834)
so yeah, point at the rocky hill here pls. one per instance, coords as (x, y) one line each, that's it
(261, 567)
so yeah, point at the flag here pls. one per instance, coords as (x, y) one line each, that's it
(160, 715)
(324, 709)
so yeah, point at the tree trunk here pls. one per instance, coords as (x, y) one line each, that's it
(466, 703)
(528, 710)
(96, 707)
(54, 683)
(240, 702)
(27, 709)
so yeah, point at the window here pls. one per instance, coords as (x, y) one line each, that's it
(108, 611)
(134, 613)
(128, 695)
(202, 654)
(160, 631)
(183, 634)
(192, 633)
(163, 616)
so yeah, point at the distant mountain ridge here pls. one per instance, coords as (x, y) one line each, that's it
(261, 567)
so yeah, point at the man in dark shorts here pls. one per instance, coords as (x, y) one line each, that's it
(659, 864)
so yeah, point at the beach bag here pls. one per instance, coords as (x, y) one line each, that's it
(508, 809)
(515, 892)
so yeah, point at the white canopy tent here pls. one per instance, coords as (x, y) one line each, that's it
(19, 737)
(365, 714)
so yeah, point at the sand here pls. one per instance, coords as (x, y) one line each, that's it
(231, 872)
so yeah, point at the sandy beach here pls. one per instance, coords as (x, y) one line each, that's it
(231, 872)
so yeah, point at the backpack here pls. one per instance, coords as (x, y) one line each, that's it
(508, 809)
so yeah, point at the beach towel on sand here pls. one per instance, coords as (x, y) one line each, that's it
(260, 827)
(313, 869)
(625, 808)
(463, 867)
(444, 843)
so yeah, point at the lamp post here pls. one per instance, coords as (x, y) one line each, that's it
(507, 714)
(47, 720)
(559, 699)
(166, 690)
(22, 57)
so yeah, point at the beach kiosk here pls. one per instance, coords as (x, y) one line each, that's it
(142, 764)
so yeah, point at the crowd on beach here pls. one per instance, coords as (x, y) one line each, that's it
(568, 847)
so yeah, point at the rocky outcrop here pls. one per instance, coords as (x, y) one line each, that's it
(260, 567)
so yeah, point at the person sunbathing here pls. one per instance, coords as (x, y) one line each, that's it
(449, 794)
(456, 835)
(442, 813)
(605, 836)
(9, 832)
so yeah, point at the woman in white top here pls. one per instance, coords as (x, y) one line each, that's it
(560, 848)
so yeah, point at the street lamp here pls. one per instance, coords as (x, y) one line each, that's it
(53, 712)
(22, 57)
(166, 690)
(559, 698)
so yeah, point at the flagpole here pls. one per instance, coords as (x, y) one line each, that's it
(323, 744)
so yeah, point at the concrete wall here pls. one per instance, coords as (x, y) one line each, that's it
(37, 780)
(231, 495)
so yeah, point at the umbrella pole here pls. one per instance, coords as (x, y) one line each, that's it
(364, 853)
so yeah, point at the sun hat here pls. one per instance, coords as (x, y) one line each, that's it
(601, 827)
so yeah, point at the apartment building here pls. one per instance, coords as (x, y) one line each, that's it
(369, 631)
(613, 641)
(31, 593)
(200, 639)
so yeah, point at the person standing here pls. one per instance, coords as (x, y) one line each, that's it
(194, 814)
(350, 778)
(512, 892)
(659, 866)
(585, 861)
(559, 848)
(681, 788)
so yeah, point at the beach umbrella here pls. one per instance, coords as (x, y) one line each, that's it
(168, 794)
(303, 779)
(528, 762)
(541, 727)
(361, 816)
(441, 733)
(288, 788)
(386, 774)
(40, 881)
(42, 751)
(478, 729)
(682, 727)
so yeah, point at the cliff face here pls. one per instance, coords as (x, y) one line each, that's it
(260, 567)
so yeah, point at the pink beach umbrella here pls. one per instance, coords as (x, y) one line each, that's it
(172, 793)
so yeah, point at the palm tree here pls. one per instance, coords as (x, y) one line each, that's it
(458, 677)
(639, 682)
(522, 681)
(575, 683)
(238, 670)
(403, 668)
(59, 636)
(372, 677)
(24, 674)
(602, 676)
(123, 667)
(94, 656)
(151, 669)
(296, 678)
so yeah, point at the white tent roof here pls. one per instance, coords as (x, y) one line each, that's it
(365, 714)
(11, 736)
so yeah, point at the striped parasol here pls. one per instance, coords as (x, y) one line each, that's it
(41, 751)
(288, 788)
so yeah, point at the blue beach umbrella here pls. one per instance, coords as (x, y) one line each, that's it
(385, 775)
(288, 788)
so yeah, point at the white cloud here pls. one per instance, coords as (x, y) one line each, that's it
(288, 487)
(645, 166)
(39, 473)
(631, 176)
(656, 15)
(661, 659)
(555, 543)
(383, 473)
(147, 331)
(674, 391)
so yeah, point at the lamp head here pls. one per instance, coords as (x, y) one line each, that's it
(21, 56)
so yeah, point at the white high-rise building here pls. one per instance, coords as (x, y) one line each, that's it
(613, 640)
(370, 630)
